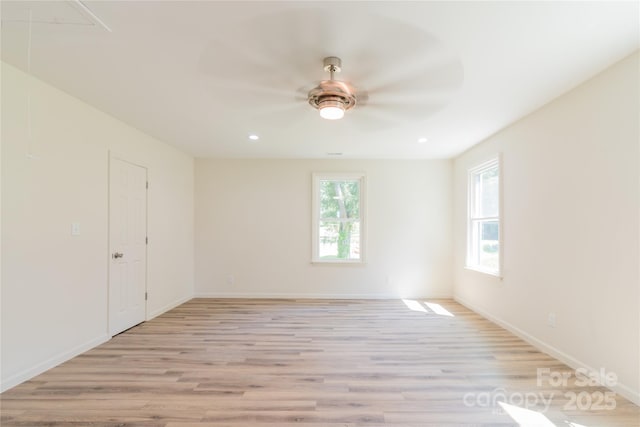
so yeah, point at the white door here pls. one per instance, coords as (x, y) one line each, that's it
(127, 245)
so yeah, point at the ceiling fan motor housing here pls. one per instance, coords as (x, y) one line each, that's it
(332, 91)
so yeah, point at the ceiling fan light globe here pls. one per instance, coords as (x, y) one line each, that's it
(331, 110)
(331, 113)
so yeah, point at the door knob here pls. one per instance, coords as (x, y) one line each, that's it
(117, 255)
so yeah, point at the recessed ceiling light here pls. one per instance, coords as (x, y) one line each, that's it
(254, 137)
(422, 140)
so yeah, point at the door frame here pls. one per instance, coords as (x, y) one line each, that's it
(113, 155)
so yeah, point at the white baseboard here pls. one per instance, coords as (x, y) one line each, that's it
(158, 312)
(274, 295)
(622, 389)
(27, 374)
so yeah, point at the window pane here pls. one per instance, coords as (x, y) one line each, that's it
(486, 245)
(339, 199)
(339, 240)
(488, 193)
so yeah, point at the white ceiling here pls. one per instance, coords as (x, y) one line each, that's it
(204, 75)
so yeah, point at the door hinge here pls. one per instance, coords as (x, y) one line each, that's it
(146, 240)
(147, 185)
(146, 296)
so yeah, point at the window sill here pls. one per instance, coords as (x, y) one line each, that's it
(487, 272)
(337, 262)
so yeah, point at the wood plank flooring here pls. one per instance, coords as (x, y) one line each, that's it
(310, 363)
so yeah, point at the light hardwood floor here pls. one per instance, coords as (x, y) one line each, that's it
(309, 363)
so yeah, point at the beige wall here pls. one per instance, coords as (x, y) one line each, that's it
(254, 223)
(571, 229)
(54, 286)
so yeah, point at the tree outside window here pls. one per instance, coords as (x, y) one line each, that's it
(338, 222)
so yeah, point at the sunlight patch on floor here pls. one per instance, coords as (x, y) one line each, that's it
(438, 309)
(414, 305)
(422, 307)
(526, 417)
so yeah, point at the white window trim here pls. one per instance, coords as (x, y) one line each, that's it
(315, 205)
(493, 161)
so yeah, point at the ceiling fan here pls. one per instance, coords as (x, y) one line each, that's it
(398, 74)
(332, 97)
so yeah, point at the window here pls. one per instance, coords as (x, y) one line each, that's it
(483, 229)
(338, 218)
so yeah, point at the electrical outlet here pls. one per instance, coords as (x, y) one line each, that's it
(551, 320)
(230, 279)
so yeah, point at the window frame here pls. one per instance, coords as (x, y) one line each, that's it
(315, 214)
(494, 161)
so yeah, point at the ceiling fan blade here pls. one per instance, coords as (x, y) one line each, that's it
(413, 96)
(249, 95)
(302, 93)
(386, 118)
(284, 118)
(370, 121)
(277, 109)
(443, 79)
(276, 50)
(402, 112)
